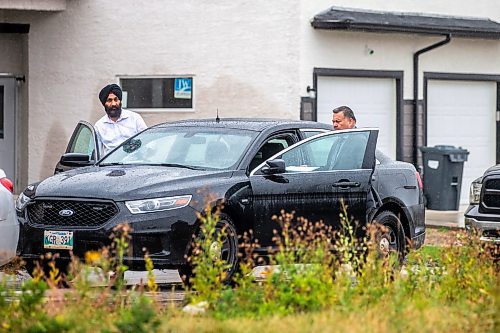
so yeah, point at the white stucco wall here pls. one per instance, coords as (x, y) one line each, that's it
(393, 51)
(237, 52)
(248, 58)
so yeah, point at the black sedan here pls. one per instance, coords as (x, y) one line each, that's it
(160, 180)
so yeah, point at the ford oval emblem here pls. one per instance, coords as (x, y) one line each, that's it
(66, 212)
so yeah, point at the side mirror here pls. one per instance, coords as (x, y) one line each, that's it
(75, 160)
(273, 167)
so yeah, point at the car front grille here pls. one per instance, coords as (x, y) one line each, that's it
(71, 213)
(491, 233)
(491, 195)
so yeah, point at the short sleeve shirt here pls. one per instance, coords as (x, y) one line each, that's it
(112, 133)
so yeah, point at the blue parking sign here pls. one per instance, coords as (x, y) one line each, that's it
(183, 87)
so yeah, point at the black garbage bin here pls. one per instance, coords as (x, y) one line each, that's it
(443, 169)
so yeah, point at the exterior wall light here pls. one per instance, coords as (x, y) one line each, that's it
(311, 92)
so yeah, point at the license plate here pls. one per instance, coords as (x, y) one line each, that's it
(53, 239)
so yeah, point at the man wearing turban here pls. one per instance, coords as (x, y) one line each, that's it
(118, 124)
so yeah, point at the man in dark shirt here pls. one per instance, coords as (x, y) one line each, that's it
(348, 152)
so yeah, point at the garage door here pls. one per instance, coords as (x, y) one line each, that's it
(373, 101)
(462, 113)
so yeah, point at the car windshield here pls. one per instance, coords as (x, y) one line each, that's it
(186, 147)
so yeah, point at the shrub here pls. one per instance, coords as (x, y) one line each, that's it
(317, 278)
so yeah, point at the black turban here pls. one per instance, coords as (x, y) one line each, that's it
(110, 88)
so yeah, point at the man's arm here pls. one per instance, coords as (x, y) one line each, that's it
(99, 144)
(140, 124)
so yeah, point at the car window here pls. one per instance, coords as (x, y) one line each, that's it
(271, 147)
(307, 133)
(83, 142)
(338, 152)
(218, 148)
(349, 151)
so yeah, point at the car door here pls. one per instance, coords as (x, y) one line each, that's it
(272, 145)
(309, 132)
(321, 173)
(83, 141)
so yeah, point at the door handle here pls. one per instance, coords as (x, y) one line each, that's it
(346, 184)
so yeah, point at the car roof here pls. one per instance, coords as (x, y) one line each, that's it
(253, 124)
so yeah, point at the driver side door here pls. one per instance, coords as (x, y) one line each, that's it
(83, 141)
(322, 175)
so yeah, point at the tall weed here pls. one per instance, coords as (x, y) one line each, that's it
(318, 279)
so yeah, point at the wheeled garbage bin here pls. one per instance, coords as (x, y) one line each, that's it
(442, 176)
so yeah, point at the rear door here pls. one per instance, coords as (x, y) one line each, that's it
(83, 141)
(322, 173)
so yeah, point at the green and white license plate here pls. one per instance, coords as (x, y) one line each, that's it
(55, 239)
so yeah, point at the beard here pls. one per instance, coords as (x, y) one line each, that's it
(113, 112)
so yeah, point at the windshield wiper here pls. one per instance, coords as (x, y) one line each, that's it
(175, 165)
(191, 167)
(111, 163)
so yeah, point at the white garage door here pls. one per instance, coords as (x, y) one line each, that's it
(462, 113)
(373, 101)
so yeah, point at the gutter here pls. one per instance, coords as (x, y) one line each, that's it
(415, 93)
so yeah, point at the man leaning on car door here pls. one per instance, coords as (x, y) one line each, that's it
(118, 124)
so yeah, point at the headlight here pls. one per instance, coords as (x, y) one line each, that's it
(157, 204)
(22, 201)
(475, 192)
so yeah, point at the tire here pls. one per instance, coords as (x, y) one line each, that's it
(29, 266)
(63, 267)
(392, 239)
(228, 251)
(186, 274)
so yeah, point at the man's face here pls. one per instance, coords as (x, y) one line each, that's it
(341, 122)
(113, 106)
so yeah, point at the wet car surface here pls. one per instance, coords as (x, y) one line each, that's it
(161, 180)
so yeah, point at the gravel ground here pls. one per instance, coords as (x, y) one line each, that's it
(442, 236)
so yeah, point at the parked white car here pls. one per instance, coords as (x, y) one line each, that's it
(9, 227)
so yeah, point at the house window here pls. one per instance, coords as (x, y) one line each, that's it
(157, 93)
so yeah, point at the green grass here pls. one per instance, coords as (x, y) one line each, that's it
(431, 251)
(439, 289)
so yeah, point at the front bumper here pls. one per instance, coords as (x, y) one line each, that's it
(488, 225)
(165, 236)
(418, 240)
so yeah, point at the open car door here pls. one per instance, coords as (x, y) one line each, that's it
(315, 179)
(82, 150)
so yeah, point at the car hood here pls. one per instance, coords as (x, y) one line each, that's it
(493, 170)
(120, 183)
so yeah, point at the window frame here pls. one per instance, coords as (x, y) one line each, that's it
(166, 76)
(366, 164)
(292, 134)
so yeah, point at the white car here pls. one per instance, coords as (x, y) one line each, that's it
(9, 227)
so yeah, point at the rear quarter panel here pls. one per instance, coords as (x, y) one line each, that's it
(396, 182)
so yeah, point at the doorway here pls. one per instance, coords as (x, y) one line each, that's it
(8, 125)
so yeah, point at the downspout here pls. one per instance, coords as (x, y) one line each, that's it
(415, 92)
